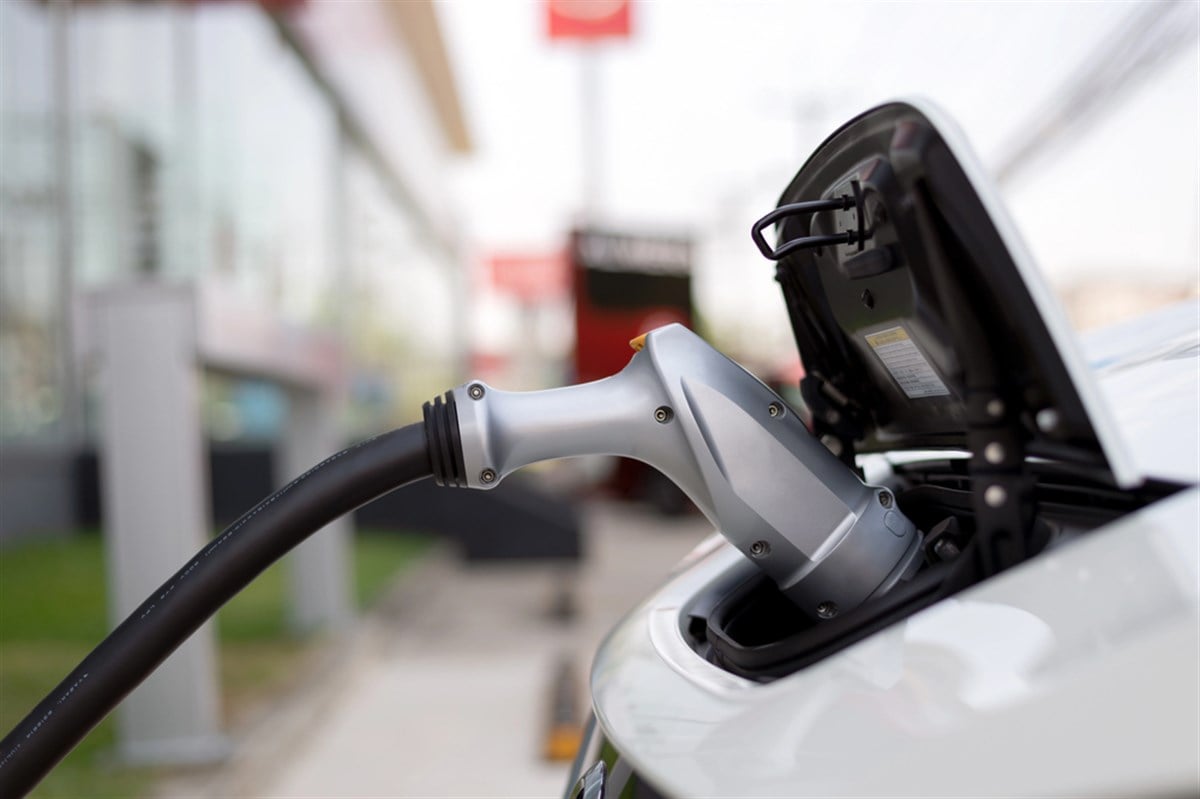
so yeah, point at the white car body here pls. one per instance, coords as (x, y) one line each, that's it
(1074, 673)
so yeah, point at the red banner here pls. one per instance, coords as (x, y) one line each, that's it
(588, 19)
(531, 277)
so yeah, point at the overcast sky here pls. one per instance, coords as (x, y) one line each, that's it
(711, 107)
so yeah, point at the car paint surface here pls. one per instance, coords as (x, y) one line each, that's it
(1074, 673)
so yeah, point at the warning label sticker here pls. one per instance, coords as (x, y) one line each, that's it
(908, 367)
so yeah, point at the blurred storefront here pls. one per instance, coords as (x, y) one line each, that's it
(291, 151)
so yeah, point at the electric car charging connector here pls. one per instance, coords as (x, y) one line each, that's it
(735, 448)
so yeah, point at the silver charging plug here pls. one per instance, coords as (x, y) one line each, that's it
(730, 443)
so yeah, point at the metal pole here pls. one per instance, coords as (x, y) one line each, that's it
(155, 508)
(592, 120)
(70, 421)
(181, 255)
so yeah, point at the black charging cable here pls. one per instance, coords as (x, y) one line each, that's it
(266, 532)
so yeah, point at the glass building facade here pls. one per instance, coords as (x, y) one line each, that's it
(218, 142)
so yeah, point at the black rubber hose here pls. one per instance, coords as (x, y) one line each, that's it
(337, 485)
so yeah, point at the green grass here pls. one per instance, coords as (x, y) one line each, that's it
(42, 640)
(69, 569)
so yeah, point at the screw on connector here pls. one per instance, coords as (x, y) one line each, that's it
(475, 391)
(663, 414)
(1048, 420)
(775, 409)
(827, 610)
(995, 496)
(885, 499)
(760, 549)
(487, 476)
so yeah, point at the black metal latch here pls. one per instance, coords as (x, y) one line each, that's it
(843, 203)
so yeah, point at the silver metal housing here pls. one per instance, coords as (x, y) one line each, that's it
(730, 443)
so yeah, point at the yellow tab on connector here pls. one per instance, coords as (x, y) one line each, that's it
(638, 343)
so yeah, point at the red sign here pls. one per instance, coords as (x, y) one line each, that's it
(588, 19)
(531, 278)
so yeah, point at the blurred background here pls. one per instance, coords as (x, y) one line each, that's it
(293, 221)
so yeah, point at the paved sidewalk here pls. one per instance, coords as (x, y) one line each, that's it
(446, 690)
